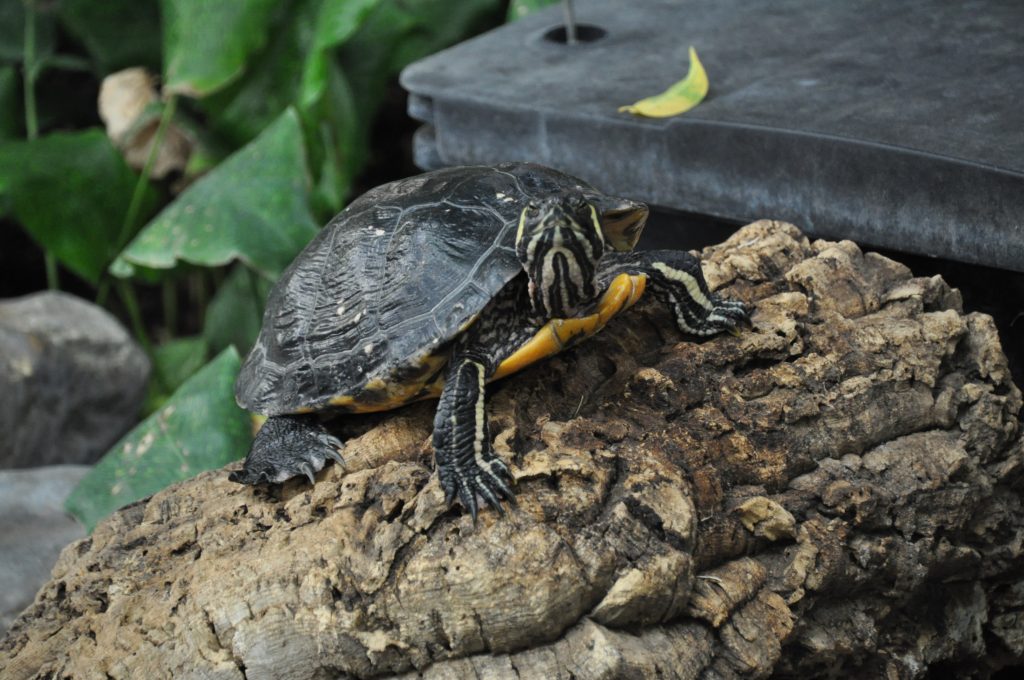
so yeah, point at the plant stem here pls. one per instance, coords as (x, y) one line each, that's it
(29, 70)
(124, 289)
(170, 300)
(103, 290)
(199, 292)
(131, 304)
(52, 276)
(128, 227)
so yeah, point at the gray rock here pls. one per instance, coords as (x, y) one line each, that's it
(71, 380)
(33, 530)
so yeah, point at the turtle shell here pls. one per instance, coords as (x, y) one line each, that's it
(366, 307)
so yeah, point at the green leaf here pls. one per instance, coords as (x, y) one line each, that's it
(236, 311)
(396, 33)
(174, 362)
(336, 22)
(253, 207)
(10, 119)
(272, 79)
(116, 33)
(199, 428)
(338, 142)
(207, 44)
(517, 9)
(71, 192)
(178, 359)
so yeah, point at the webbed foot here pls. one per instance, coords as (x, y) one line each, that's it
(286, 447)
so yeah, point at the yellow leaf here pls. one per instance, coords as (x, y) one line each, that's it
(678, 98)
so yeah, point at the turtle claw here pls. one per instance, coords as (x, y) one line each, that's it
(332, 447)
(333, 454)
(489, 496)
(468, 498)
(307, 469)
(491, 485)
(490, 482)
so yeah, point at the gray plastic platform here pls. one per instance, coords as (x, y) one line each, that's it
(897, 125)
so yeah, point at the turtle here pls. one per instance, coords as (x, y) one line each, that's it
(435, 285)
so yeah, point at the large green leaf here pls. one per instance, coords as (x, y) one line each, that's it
(253, 207)
(116, 33)
(199, 428)
(336, 22)
(297, 67)
(272, 78)
(236, 311)
(71, 192)
(207, 43)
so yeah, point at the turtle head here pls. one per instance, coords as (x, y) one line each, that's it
(622, 220)
(559, 244)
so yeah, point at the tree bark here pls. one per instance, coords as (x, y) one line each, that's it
(833, 493)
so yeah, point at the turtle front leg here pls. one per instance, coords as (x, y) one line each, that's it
(286, 447)
(675, 277)
(466, 463)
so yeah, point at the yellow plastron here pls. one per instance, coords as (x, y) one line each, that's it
(559, 334)
(555, 336)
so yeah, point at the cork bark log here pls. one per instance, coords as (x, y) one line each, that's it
(834, 493)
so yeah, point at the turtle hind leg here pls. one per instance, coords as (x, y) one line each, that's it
(286, 447)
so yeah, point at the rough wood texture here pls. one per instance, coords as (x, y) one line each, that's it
(834, 493)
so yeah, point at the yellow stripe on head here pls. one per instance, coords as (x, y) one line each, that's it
(522, 224)
(596, 221)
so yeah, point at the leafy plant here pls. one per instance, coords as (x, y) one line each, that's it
(276, 101)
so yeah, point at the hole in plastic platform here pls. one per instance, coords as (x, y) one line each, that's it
(585, 33)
